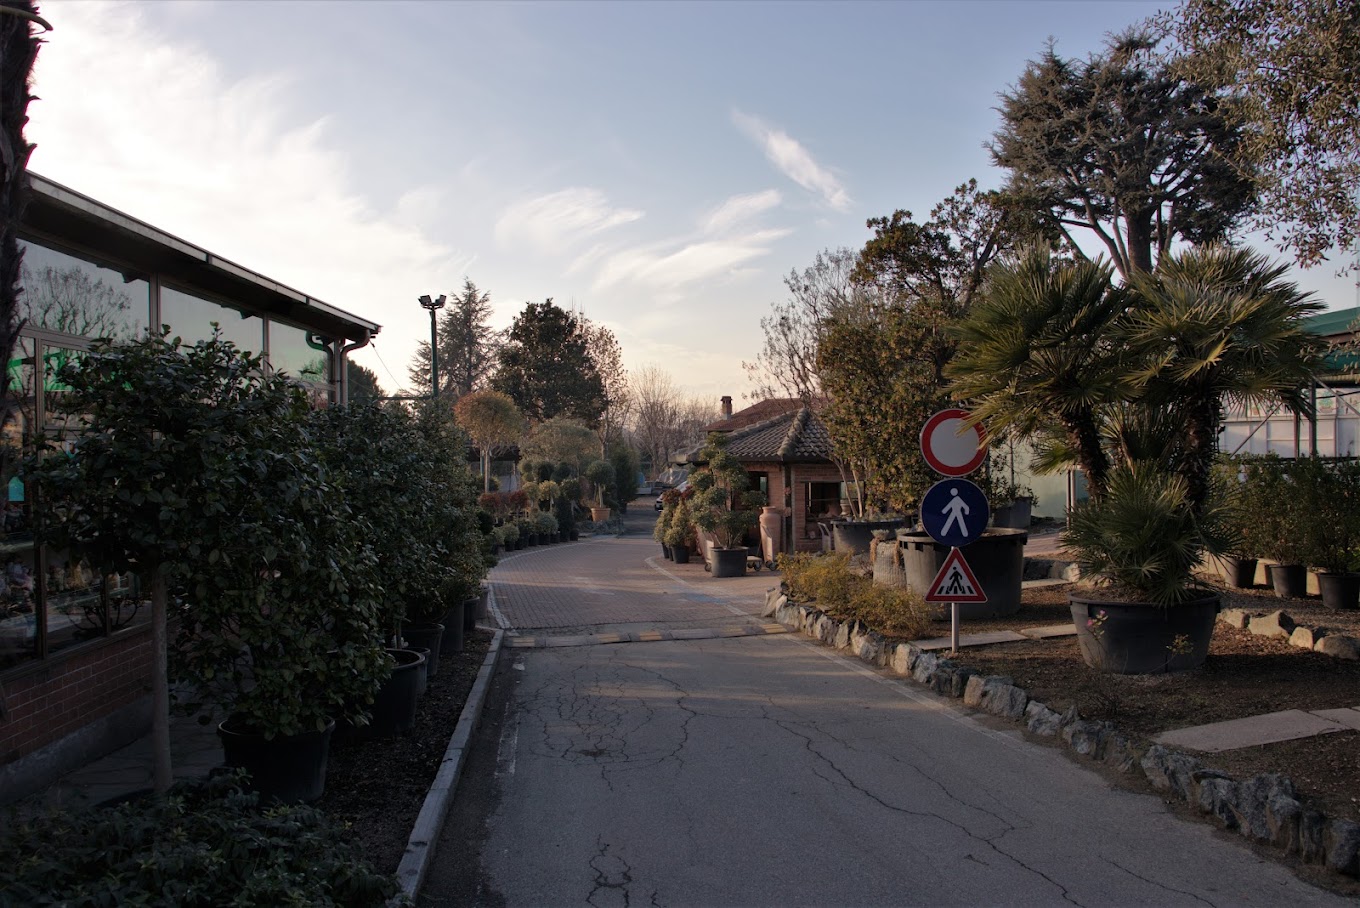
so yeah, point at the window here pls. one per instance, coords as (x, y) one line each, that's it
(73, 296)
(191, 318)
(823, 500)
(290, 352)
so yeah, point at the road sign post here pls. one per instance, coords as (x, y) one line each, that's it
(955, 583)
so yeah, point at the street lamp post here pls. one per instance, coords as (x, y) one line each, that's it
(434, 306)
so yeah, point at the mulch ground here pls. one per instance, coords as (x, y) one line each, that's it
(378, 787)
(1245, 675)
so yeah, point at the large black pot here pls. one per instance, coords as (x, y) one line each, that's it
(728, 562)
(666, 551)
(453, 637)
(422, 673)
(1340, 590)
(428, 635)
(287, 768)
(997, 559)
(394, 707)
(855, 536)
(1138, 638)
(680, 554)
(469, 617)
(1289, 580)
(1240, 572)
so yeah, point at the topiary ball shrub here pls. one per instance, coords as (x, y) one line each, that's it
(206, 843)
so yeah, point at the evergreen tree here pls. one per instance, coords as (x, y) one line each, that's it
(467, 345)
(546, 368)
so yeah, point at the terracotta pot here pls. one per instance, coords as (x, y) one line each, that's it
(599, 515)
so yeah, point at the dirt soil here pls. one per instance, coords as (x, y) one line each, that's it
(1245, 675)
(379, 786)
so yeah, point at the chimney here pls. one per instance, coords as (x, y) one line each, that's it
(727, 406)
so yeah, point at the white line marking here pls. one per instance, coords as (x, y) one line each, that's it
(506, 758)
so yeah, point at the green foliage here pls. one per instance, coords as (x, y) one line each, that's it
(626, 463)
(1287, 73)
(680, 530)
(1307, 510)
(545, 523)
(546, 367)
(827, 581)
(722, 503)
(1143, 538)
(204, 844)
(557, 442)
(1124, 147)
(601, 475)
(507, 533)
(363, 383)
(467, 345)
(492, 422)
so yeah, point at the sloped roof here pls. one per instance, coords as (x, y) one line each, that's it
(794, 435)
(760, 411)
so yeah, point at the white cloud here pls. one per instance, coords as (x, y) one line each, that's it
(740, 208)
(663, 267)
(555, 222)
(793, 160)
(149, 125)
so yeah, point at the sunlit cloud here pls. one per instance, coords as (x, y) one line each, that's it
(668, 267)
(741, 208)
(555, 222)
(793, 160)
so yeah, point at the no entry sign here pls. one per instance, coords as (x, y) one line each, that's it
(950, 446)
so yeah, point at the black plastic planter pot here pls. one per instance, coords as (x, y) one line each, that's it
(427, 636)
(422, 673)
(1289, 580)
(287, 768)
(854, 537)
(469, 617)
(394, 707)
(1240, 572)
(729, 562)
(681, 554)
(1137, 638)
(1340, 591)
(666, 550)
(997, 559)
(453, 637)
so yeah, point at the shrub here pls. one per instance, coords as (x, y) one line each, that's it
(202, 844)
(828, 581)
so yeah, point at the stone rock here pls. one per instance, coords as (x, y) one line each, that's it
(1253, 798)
(1342, 646)
(959, 682)
(972, 691)
(1342, 841)
(1119, 752)
(772, 603)
(902, 658)
(1086, 736)
(827, 628)
(942, 680)
(1282, 820)
(787, 615)
(1234, 617)
(1041, 720)
(1218, 798)
(1276, 624)
(867, 645)
(925, 667)
(843, 633)
(1306, 637)
(1070, 716)
(1312, 831)
(1169, 770)
(809, 618)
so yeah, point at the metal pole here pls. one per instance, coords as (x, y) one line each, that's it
(434, 357)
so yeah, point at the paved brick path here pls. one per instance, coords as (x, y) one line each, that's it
(618, 581)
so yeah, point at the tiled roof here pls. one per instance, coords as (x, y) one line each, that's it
(793, 436)
(758, 412)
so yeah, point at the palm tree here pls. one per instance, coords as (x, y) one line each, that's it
(1036, 358)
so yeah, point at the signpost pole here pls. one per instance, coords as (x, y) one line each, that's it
(953, 628)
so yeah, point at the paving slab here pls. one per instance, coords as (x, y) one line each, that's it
(937, 643)
(1051, 630)
(1347, 717)
(1043, 582)
(1269, 728)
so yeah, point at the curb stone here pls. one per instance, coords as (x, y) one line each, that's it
(420, 847)
(1264, 809)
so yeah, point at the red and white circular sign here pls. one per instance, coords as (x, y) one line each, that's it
(950, 446)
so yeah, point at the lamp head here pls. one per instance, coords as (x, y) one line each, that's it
(430, 304)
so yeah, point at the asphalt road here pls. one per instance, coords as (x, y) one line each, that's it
(767, 770)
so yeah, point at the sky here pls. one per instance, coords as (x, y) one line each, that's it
(658, 166)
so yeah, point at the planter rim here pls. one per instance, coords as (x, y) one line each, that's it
(989, 533)
(1207, 598)
(406, 657)
(234, 725)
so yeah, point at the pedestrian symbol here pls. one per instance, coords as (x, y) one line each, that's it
(954, 512)
(955, 582)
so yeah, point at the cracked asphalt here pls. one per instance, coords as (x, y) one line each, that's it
(767, 770)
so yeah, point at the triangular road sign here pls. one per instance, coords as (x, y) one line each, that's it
(955, 582)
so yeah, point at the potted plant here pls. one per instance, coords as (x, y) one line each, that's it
(191, 468)
(679, 532)
(601, 474)
(1328, 497)
(1128, 383)
(1241, 524)
(723, 506)
(669, 499)
(1275, 522)
(545, 525)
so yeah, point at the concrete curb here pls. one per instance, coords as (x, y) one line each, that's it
(415, 863)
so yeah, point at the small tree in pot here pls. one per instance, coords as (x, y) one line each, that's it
(724, 506)
(1328, 502)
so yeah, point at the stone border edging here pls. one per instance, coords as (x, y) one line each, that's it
(1265, 809)
(1279, 624)
(415, 863)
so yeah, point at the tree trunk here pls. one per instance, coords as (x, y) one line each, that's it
(160, 684)
(18, 50)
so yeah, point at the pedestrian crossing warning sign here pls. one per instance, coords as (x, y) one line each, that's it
(955, 582)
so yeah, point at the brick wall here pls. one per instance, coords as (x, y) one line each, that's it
(71, 691)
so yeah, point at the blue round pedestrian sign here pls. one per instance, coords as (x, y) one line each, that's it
(954, 512)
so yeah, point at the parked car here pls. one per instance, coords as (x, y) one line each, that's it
(684, 485)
